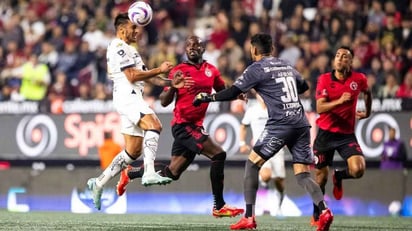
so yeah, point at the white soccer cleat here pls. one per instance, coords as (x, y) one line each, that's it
(97, 192)
(153, 178)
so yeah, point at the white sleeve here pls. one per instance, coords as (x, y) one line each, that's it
(247, 117)
(123, 55)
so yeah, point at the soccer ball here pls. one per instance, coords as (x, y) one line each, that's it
(140, 13)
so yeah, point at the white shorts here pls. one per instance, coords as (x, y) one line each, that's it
(276, 164)
(131, 110)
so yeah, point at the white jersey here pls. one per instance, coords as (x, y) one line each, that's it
(119, 56)
(127, 97)
(255, 117)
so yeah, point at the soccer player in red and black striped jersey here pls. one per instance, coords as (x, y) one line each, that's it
(190, 138)
(336, 98)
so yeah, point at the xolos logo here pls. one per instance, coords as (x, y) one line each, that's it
(36, 135)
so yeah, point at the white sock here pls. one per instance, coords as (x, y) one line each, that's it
(119, 162)
(150, 144)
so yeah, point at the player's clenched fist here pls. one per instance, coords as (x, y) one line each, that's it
(203, 98)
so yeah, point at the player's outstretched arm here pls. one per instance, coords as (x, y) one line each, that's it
(133, 74)
(228, 94)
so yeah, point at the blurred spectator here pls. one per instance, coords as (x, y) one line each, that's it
(34, 29)
(233, 51)
(394, 152)
(334, 32)
(372, 84)
(220, 30)
(13, 32)
(58, 92)
(49, 55)
(390, 88)
(73, 35)
(93, 36)
(377, 71)
(391, 32)
(84, 92)
(405, 89)
(375, 13)
(211, 54)
(67, 61)
(100, 92)
(35, 79)
(57, 38)
(108, 150)
(291, 51)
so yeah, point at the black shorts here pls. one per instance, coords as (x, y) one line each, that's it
(274, 138)
(326, 143)
(189, 140)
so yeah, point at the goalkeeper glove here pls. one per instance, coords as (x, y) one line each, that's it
(203, 98)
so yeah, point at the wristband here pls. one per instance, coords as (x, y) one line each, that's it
(241, 143)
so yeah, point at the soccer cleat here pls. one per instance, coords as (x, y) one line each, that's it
(123, 181)
(97, 192)
(227, 211)
(325, 220)
(337, 187)
(244, 223)
(154, 178)
(313, 222)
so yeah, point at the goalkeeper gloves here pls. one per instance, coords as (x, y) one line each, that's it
(203, 98)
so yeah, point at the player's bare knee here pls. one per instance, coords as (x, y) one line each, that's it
(358, 172)
(321, 177)
(265, 174)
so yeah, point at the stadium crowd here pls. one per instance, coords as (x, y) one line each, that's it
(54, 50)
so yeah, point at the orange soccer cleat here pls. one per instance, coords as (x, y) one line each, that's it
(313, 222)
(337, 187)
(227, 211)
(325, 220)
(123, 181)
(244, 223)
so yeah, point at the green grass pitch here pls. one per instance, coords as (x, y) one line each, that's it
(99, 221)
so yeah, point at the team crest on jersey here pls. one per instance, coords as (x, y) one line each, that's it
(208, 72)
(353, 86)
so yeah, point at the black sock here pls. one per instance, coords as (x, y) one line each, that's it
(249, 209)
(137, 172)
(322, 206)
(316, 212)
(217, 179)
(343, 174)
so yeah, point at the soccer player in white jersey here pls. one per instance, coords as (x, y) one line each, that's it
(273, 170)
(139, 124)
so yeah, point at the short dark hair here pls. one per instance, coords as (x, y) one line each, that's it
(263, 43)
(347, 48)
(121, 19)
